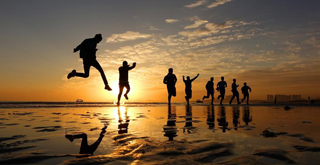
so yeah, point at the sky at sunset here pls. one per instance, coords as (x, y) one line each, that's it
(273, 45)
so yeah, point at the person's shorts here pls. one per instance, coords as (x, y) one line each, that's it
(124, 84)
(189, 93)
(209, 92)
(171, 90)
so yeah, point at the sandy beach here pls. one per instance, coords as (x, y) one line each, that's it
(158, 134)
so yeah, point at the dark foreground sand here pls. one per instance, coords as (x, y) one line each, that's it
(157, 134)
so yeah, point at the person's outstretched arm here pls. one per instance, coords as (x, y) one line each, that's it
(195, 77)
(78, 47)
(133, 66)
(183, 79)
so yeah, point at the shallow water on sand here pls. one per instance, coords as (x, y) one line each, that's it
(159, 134)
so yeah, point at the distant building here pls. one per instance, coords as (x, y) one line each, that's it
(295, 97)
(283, 98)
(270, 98)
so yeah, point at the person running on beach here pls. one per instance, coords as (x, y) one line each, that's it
(221, 86)
(234, 91)
(245, 90)
(188, 85)
(123, 79)
(170, 79)
(85, 148)
(210, 90)
(88, 54)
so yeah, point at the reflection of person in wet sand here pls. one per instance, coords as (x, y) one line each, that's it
(221, 86)
(246, 115)
(170, 79)
(124, 79)
(188, 126)
(123, 121)
(85, 148)
(245, 90)
(223, 119)
(236, 115)
(210, 117)
(210, 90)
(234, 91)
(88, 50)
(170, 130)
(188, 89)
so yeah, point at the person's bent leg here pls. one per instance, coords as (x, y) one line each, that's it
(231, 99)
(212, 94)
(86, 68)
(128, 90)
(248, 99)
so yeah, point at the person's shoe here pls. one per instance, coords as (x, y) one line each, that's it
(126, 96)
(118, 103)
(239, 103)
(71, 74)
(230, 103)
(69, 137)
(203, 97)
(107, 87)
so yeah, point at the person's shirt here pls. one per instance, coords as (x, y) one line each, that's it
(222, 85)
(234, 87)
(124, 73)
(87, 49)
(188, 84)
(245, 89)
(209, 86)
(170, 79)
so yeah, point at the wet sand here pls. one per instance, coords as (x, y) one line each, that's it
(158, 134)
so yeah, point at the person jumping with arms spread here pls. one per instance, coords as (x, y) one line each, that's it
(210, 90)
(170, 79)
(188, 89)
(124, 79)
(88, 50)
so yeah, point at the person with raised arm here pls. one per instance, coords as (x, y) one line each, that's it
(188, 85)
(124, 79)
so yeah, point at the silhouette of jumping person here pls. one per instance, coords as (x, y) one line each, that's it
(188, 89)
(85, 148)
(245, 90)
(170, 130)
(124, 79)
(170, 79)
(234, 91)
(88, 50)
(210, 90)
(123, 121)
(221, 86)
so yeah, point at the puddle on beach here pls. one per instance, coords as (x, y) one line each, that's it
(160, 135)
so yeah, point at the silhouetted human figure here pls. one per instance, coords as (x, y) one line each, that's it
(210, 117)
(88, 50)
(223, 119)
(124, 79)
(123, 121)
(188, 125)
(247, 118)
(210, 90)
(221, 86)
(234, 91)
(188, 89)
(85, 148)
(170, 79)
(245, 91)
(170, 130)
(236, 116)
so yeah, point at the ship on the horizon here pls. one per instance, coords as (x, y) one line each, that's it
(79, 101)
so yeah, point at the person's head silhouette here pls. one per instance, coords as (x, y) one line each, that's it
(222, 78)
(170, 70)
(245, 84)
(188, 78)
(124, 63)
(234, 80)
(98, 37)
(211, 79)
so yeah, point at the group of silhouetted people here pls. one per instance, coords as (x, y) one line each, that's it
(170, 79)
(88, 49)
